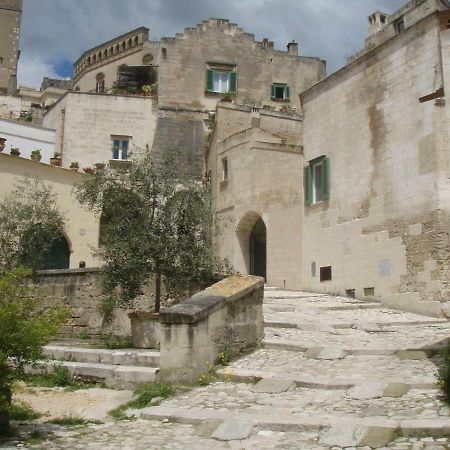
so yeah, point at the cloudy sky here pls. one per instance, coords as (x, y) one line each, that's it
(55, 32)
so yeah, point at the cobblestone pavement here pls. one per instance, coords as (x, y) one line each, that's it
(346, 404)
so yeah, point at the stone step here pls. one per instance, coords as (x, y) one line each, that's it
(341, 431)
(316, 381)
(115, 376)
(334, 369)
(368, 340)
(344, 325)
(123, 357)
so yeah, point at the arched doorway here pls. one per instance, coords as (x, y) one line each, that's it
(59, 255)
(258, 250)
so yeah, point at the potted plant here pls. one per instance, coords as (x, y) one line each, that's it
(74, 166)
(2, 144)
(227, 97)
(36, 154)
(89, 170)
(100, 167)
(56, 160)
(15, 151)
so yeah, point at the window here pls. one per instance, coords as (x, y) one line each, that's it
(120, 149)
(100, 83)
(221, 80)
(325, 273)
(317, 180)
(224, 169)
(279, 91)
(399, 25)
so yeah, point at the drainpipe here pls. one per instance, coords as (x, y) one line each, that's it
(63, 123)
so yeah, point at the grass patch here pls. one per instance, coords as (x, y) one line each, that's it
(22, 412)
(444, 374)
(35, 438)
(112, 342)
(143, 395)
(73, 421)
(60, 378)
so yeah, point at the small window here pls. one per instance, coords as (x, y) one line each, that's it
(325, 273)
(221, 81)
(279, 91)
(224, 169)
(100, 83)
(120, 149)
(399, 25)
(383, 19)
(350, 293)
(369, 292)
(1, 63)
(317, 180)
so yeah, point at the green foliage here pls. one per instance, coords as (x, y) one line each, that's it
(62, 376)
(24, 329)
(22, 412)
(30, 223)
(155, 220)
(113, 342)
(444, 374)
(143, 395)
(51, 380)
(73, 421)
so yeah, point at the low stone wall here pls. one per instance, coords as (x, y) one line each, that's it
(80, 290)
(225, 317)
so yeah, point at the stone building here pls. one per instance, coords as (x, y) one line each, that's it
(357, 203)
(188, 74)
(10, 16)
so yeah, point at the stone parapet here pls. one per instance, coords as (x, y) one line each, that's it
(227, 317)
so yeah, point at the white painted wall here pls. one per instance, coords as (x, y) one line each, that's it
(27, 138)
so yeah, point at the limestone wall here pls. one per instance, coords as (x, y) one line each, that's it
(383, 226)
(82, 227)
(264, 167)
(227, 317)
(28, 137)
(80, 291)
(88, 122)
(183, 64)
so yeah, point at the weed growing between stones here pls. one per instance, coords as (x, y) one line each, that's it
(209, 376)
(112, 342)
(145, 395)
(444, 374)
(61, 378)
(73, 421)
(223, 358)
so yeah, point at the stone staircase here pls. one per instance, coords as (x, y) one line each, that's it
(124, 368)
(333, 373)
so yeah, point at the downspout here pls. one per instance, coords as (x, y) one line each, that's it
(63, 124)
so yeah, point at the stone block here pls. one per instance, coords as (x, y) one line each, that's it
(357, 436)
(233, 430)
(273, 386)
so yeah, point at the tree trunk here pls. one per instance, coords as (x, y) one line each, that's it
(157, 292)
(5, 402)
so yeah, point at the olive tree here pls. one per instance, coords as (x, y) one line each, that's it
(30, 223)
(155, 221)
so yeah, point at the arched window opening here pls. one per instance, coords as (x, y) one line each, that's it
(136, 40)
(100, 83)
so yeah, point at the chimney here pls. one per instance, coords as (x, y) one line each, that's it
(377, 21)
(292, 48)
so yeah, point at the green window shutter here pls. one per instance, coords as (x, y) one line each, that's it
(307, 182)
(287, 92)
(233, 82)
(326, 178)
(272, 91)
(209, 80)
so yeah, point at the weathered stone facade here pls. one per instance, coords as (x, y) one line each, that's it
(381, 122)
(10, 16)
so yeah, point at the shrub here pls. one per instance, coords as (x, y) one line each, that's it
(444, 374)
(24, 329)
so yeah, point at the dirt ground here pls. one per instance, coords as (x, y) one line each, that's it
(56, 403)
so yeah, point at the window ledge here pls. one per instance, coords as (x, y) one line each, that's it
(224, 183)
(280, 100)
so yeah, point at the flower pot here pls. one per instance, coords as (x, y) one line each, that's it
(89, 170)
(2, 144)
(35, 157)
(100, 167)
(15, 153)
(57, 162)
(145, 329)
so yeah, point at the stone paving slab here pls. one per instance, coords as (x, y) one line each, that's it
(391, 338)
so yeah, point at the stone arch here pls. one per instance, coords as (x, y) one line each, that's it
(147, 59)
(252, 237)
(136, 40)
(59, 255)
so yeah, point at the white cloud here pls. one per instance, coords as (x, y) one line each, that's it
(32, 69)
